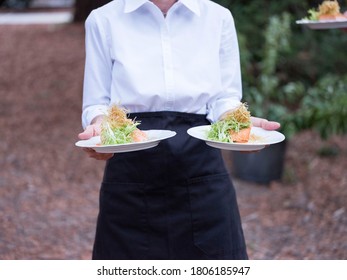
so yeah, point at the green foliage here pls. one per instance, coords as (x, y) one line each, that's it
(324, 107)
(312, 53)
(285, 66)
(267, 95)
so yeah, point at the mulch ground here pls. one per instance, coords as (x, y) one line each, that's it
(49, 188)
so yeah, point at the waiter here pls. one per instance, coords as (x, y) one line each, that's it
(174, 65)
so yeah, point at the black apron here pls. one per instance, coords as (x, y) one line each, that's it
(173, 201)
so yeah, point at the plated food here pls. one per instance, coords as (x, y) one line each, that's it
(328, 15)
(153, 139)
(235, 127)
(259, 139)
(117, 128)
(235, 132)
(328, 10)
(120, 134)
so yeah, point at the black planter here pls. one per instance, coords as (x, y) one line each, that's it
(261, 167)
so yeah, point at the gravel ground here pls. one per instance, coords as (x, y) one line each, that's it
(49, 188)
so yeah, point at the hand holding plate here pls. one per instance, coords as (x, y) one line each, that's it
(91, 131)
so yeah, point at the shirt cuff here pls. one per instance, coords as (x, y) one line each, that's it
(220, 107)
(91, 112)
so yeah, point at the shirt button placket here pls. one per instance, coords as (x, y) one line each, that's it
(168, 67)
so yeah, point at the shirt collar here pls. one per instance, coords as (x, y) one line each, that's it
(192, 5)
(132, 5)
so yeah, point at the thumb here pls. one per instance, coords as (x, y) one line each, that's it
(89, 132)
(270, 125)
(265, 124)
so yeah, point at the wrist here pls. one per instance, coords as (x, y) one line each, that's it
(98, 119)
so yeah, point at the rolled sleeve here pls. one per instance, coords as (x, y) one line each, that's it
(220, 107)
(97, 72)
(91, 112)
(231, 94)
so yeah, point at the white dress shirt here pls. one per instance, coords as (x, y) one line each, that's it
(187, 61)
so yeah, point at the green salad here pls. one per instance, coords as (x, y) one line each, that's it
(116, 128)
(234, 122)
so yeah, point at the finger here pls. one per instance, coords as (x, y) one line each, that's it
(89, 132)
(270, 125)
(104, 156)
(89, 151)
(265, 124)
(99, 156)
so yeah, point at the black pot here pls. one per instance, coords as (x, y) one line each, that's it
(260, 167)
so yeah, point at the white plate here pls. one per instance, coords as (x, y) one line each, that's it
(263, 138)
(154, 137)
(323, 24)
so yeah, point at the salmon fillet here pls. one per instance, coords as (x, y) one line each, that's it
(242, 136)
(138, 135)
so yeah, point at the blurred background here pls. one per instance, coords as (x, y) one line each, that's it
(292, 196)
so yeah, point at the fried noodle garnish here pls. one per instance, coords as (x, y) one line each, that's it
(329, 8)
